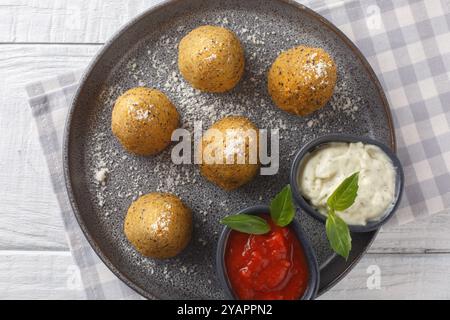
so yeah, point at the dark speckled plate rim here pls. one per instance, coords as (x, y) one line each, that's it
(163, 5)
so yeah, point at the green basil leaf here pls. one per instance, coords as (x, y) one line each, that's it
(282, 209)
(338, 234)
(246, 223)
(345, 194)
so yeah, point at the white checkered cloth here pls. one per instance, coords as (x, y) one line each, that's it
(408, 45)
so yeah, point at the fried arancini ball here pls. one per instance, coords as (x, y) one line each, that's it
(211, 59)
(143, 120)
(302, 80)
(232, 140)
(158, 225)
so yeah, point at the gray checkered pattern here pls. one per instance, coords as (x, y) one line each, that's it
(408, 45)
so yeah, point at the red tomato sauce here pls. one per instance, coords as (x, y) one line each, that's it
(270, 266)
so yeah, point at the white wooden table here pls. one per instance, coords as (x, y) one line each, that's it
(47, 37)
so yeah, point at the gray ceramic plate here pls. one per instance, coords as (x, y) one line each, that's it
(144, 53)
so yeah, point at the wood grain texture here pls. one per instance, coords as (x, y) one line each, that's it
(403, 276)
(77, 21)
(63, 21)
(52, 275)
(29, 216)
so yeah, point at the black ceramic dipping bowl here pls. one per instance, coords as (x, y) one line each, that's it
(313, 268)
(316, 143)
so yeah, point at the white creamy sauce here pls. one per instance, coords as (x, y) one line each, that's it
(324, 169)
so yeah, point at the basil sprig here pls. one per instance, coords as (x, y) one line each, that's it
(337, 230)
(282, 213)
(246, 223)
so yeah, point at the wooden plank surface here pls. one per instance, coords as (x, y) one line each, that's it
(29, 218)
(76, 21)
(47, 37)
